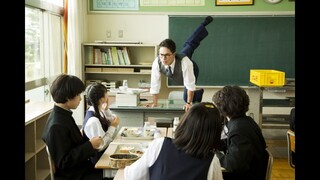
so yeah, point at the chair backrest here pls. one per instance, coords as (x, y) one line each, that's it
(291, 141)
(269, 165)
(51, 164)
(175, 95)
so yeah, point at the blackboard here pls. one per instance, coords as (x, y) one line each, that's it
(237, 44)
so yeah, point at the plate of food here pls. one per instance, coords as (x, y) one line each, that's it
(136, 134)
(125, 148)
(137, 151)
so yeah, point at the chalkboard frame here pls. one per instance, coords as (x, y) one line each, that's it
(286, 61)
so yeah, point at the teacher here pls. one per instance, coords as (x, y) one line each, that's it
(179, 67)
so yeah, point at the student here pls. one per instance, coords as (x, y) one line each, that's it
(178, 66)
(190, 155)
(245, 156)
(69, 150)
(292, 126)
(99, 121)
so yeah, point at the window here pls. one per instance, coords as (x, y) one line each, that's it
(43, 46)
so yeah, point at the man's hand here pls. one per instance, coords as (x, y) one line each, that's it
(187, 107)
(151, 105)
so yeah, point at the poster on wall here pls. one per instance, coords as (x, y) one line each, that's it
(114, 5)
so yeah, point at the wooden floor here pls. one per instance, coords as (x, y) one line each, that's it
(281, 170)
(277, 144)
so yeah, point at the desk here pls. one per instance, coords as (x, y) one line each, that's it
(104, 161)
(136, 116)
(120, 173)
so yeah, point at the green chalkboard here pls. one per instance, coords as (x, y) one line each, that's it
(237, 44)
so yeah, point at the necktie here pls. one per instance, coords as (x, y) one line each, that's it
(169, 72)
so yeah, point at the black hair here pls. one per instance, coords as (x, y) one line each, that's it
(168, 43)
(199, 130)
(94, 92)
(66, 87)
(232, 101)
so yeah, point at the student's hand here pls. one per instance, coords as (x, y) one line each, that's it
(96, 142)
(151, 105)
(105, 105)
(115, 121)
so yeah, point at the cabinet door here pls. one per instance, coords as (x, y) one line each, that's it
(162, 119)
(129, 118)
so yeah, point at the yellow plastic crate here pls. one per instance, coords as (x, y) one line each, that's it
(267, 78)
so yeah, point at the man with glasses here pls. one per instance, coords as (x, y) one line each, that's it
(179, 67)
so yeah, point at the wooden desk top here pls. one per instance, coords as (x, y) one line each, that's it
(104, 161)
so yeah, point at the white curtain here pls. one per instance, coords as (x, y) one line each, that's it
(75, 36)
(75, 26)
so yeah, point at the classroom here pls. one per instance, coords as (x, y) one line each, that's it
(115, 43)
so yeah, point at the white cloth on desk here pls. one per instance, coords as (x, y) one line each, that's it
(139, 170)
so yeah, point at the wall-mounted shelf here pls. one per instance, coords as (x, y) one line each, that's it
(134, 62)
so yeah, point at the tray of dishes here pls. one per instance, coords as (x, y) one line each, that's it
(136, 149)
(137, 134)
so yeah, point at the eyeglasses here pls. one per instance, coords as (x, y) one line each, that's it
(164, 55)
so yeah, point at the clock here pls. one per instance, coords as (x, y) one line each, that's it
(272, 1)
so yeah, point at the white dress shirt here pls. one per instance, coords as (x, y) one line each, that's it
(189, 80)
(139, 170)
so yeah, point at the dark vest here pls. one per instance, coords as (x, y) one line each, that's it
(177, 73)
(173, 164)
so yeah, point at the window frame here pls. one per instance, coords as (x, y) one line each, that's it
(48, 11)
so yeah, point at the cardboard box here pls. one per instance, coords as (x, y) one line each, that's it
(267, 77)
(127, 99)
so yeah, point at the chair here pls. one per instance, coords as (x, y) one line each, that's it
(269, 165)
(291, 141)
(51, 164)
(175, 95)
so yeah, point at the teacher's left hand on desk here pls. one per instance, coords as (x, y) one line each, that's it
(151, 105)
(187, 107)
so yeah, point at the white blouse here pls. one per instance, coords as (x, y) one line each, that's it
(93, 128)
(139, 170)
